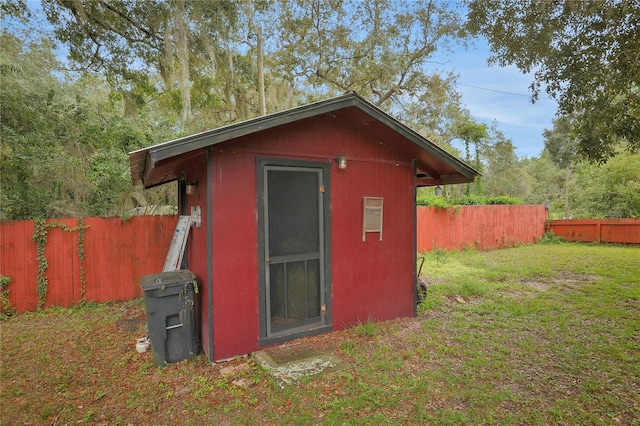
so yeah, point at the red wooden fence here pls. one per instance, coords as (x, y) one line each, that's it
(479, 227)
(116, 254)
(625, 231)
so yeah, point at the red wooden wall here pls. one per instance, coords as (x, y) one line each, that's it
(371, 279)
(625, 231)
(116, 254)
(479, 227)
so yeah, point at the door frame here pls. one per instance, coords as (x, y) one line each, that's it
(326, 323)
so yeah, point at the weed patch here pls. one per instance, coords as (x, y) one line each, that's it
(366, 330)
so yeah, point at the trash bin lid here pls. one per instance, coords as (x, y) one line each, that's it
(164, 279)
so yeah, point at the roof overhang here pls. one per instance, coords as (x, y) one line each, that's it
(162, 163)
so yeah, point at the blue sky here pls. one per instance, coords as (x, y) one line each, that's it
(501, 94)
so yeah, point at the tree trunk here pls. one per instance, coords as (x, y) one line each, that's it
(183, 64)
(263, 102)
(566, 193)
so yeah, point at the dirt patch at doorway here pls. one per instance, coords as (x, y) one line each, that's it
(289, 362)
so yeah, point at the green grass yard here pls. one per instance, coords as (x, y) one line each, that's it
(541, 334)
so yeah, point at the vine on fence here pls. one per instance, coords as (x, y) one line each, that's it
(83, 272)
(6, 310)
(41, 230)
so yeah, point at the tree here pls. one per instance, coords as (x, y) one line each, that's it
(562, 148)
(29, 123)
(379, 49)
(608, 190)
(473, 133)
(504, 174)
(131, 41)
(64, 141)
(586, 54)
(211, 52)
(546, 183)
(559, 144)
(437, 112)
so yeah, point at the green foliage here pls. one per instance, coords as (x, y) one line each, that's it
(40, 233)
(29, 122)
(110, 177)
(608, 190)
(558, 142)
(150, 70)
(184, 54)
(586, 190)
(378, 49)
(550, 238)
(64, 140)
(83, 272)
(426, 199)
(475, 200)
(562, 149)
(546, 180)
(503, 174)
(503, 200)
(584, 53)
(6, 310)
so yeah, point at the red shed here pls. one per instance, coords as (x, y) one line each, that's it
(308, 219)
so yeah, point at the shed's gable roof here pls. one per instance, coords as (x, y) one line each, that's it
(435, 165)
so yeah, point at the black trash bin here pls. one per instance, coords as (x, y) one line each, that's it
(169, 300)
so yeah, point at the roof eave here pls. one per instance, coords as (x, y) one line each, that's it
(222, 134)
(418, 139)
(144, 160)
